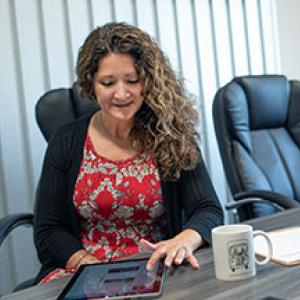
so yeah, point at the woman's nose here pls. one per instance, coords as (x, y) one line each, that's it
(121, 91)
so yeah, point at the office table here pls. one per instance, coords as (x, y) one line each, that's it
(184, 283)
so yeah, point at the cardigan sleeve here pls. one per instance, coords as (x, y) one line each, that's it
(202, 209)
(54, 234)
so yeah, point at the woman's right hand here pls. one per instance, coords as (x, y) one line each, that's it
(88, 259)
(81, 257)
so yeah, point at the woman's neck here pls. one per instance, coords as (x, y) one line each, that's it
(113, 129)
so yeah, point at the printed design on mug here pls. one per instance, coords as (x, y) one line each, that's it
(238, 256)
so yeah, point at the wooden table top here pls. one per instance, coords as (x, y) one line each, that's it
(182, 282)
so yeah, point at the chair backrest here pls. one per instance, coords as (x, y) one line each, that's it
(257, 124)
(60, 106)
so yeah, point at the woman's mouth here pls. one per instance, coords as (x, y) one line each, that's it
(122, 105)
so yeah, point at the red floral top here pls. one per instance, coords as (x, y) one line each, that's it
(118, 203)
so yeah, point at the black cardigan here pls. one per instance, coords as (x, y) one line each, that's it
(190, 202)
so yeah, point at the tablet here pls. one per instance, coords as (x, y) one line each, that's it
(115, 280)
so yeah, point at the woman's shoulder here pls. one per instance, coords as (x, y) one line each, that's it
(72, 128)
(69, 138)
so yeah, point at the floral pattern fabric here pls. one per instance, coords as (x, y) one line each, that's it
(118, 203)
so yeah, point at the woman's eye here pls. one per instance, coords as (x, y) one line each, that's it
(133, 81)
(106, 83)
(110, 83)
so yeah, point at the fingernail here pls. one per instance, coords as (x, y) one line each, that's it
(178, 261)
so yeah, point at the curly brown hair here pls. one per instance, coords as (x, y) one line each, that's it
(165, 126)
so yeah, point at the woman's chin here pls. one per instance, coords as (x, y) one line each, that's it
(123, 116)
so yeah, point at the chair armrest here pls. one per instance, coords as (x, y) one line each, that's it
(277, 200)
(12, 221)
(239, 203)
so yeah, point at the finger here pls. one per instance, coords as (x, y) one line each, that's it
(193, 261)
(180, 256)
(91, 262)
(170, 257)
(155, 257)
(147, 245)
(88, 261)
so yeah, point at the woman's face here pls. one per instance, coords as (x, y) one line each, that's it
(117, 87)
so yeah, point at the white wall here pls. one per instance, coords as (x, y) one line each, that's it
(208, 41)
(289, 41)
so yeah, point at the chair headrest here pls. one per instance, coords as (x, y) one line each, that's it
(82, 106)
(60, 106)
(267, 99)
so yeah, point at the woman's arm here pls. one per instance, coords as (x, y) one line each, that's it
(55, 233)
(200, 202)
(202, 212)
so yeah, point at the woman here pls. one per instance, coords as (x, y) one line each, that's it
(130, 176)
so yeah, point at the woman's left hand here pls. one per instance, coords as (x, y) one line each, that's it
(175, 250)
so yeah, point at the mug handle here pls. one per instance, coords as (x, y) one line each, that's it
(270, 247)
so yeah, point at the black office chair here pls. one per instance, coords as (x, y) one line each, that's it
(54, 109)
(60, 106)
(257, 124)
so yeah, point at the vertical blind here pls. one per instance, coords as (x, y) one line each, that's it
(208, 42)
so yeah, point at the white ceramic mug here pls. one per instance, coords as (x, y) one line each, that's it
(233, 251)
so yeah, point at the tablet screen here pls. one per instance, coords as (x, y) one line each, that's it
(115, 280)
